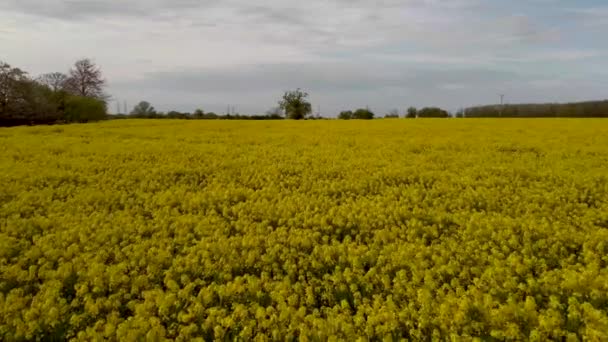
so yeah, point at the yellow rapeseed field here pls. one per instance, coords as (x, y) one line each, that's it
(451, 229)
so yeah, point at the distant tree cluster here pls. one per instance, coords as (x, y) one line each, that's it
(51, 98)
(411, 113)
(393, 114)
(432, 112)
(144, 110)
(589, 109)
(359, 114)
(294, 104)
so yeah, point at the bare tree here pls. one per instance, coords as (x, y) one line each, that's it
(10, 78)
(143, 108)
(55, 80)
(86, 80)
(393, 114)
(274, 111)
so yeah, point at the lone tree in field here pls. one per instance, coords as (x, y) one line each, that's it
(86, 80)
(345, 115)
(56, 81)
(363, 114)
(393, 114)
(412, 113)
(143, 109)
(274, 111)
(295, 104)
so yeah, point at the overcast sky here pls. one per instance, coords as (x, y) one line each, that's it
(186, 54)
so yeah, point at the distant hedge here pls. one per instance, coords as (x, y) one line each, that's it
(588, 109)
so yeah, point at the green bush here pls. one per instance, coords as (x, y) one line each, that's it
(346, 115)
(433, 112)
(363, 114)
(84, 109)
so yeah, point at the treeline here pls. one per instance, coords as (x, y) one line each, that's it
(144, 110)
(77, 96)
(191, 116)
(410, 113)
(359, 114)
(588, 109)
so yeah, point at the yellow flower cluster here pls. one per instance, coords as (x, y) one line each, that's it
(317, 230)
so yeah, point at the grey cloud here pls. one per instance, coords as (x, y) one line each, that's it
(327, 76)
(270, 15)
(525, 29)
(317, 24)
(596, 17)
(338, 86)
(335, 86)
(81, 9)
(354, 52)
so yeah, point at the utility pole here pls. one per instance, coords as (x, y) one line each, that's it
(502, 103)
(125, 106)
(117, 107)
